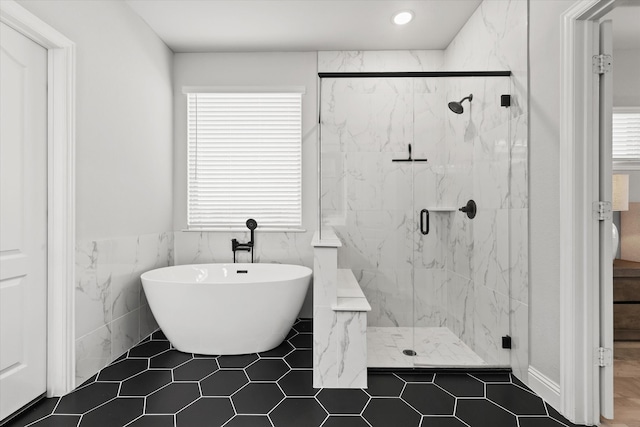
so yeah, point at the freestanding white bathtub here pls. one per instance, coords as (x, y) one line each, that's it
(226, 308)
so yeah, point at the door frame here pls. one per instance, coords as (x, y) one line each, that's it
(579, 237)
(60, 192)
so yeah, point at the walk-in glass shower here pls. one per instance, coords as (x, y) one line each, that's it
(397, 163)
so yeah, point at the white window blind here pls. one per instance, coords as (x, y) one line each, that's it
(626, 136)
(244, 160)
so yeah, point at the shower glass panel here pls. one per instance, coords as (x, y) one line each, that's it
(437, 282)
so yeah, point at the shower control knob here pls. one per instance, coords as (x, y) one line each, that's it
(470, 209)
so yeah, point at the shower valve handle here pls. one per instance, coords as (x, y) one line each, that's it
(470, 209)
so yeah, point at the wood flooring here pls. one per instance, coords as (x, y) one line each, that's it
(626, 385)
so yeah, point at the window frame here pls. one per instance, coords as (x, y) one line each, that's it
(186, 90)
(625, 165)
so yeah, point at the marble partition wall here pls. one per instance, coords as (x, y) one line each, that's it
(112, 314)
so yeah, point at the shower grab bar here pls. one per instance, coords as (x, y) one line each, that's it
(424, 221)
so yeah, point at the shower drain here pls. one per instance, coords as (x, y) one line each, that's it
(409, 352)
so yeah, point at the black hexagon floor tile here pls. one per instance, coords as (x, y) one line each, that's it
(249, 421)
(281, 394)
(515, 399)
(493, 377)
(145, 382)
(267, 370)
(297, 412)
(123, 369)
(416, 377)
(206, 412)
(41, 409)
(302, 340)
(383, 412)
(149, 349)
(153, 421)
(442, 422)
(460, 385)
(169, 359)
(343, 401)
(87, 398)
(117, 412)
(298, 382)
(482, 413)
(195, 370)
(300, 359)
(223, 383)
(304, 325)
(387, 385)
(257, 398)
(58, 421)
(158, 335)
(345, 421)
(172, 398)
(280, 351)
(429, 399)
(539, 422)
(239, 361)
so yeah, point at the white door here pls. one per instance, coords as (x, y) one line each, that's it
(23, 220)
(606, 247)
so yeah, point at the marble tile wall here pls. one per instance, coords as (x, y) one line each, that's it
(112, 314)
(495, 38)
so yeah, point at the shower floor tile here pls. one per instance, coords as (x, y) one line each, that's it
(274, 389)
(437, 347)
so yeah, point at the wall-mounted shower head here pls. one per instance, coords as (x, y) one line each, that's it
(456, 107)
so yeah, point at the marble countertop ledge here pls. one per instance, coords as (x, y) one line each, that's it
(349, 294)
(329, 239)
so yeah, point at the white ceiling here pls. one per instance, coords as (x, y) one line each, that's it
(302, 25)
(626, 27)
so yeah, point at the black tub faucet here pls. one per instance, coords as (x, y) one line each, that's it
(245, 247)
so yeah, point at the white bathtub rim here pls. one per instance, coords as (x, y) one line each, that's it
(146, 276)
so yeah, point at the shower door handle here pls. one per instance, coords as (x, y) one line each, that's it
(424, 221)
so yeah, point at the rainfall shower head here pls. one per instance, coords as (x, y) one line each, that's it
(456, 107)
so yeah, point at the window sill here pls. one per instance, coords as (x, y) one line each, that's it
(626, 166)
(258, 230)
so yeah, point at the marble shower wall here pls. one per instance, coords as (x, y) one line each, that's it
(495, 38)
(112, 314)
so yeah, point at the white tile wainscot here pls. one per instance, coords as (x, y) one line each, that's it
(339, 320)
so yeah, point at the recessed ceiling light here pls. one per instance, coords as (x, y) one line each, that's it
(403, 17)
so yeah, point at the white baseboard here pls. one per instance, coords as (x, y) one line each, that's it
(544, 387)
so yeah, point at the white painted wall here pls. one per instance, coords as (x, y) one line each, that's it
(626, 77)
(247, 69)
(124, 169)
(544, 184)
(124, 118)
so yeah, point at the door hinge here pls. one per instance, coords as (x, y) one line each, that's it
(605, 357)
(602, 210)
(602, 64)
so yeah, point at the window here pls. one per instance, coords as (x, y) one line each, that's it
(626, 138)
(244, 159)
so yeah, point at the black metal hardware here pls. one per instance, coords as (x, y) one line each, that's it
(506, 342)
(244, 247)
(424, 221)
(470, 209)
(337, 75)
(409, 159)
(505, 100)
(242, 271)
(409, 352)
